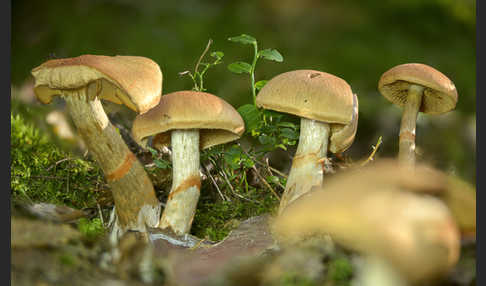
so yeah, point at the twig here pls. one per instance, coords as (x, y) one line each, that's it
(223, 174)
(197, 244)
(101, 215)
(202, 55)
(371, 157)
(270, 171)
(42, 177)
(214, 182)
(265, 182)
(262, 164)
(58, 162)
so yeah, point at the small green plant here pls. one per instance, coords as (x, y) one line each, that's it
(244, 67)
(198, 76)
(267, 126)
(235, 176)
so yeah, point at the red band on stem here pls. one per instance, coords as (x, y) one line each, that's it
(193, 181)
(121, 171)
(407, 135)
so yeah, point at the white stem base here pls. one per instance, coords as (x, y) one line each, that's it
(374, 271)
(186, 183)
(306, 171)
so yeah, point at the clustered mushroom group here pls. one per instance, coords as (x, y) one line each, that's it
(404, 220)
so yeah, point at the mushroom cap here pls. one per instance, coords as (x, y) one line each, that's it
(439, 95)
(310, 94)
(217, 120)
(130, 80)
(342, 136)
(415, 233)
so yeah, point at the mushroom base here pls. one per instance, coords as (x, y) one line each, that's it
(186, 183)
(133, 192)
(306, 171)
(374, 271)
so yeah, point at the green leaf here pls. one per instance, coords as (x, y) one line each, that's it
(153, 151)
(287, 124)
(251, 115)
(244, 39)
(217, 55)
(289, 133)
(270, 54)
(162, 164)
(260, 84)
(240, 67)
(267, 140)
(281, 146)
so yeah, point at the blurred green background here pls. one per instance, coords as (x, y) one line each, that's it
(355, 40)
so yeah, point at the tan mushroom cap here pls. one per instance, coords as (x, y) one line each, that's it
(440, 94)
(375, 215)
(310, 94)
(217, 120)
(342, 136)
(130, 80)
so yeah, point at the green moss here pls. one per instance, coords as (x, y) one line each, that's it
(295, 279)
(91, 229)
(340, 271)
(41, 171)
(215, 219)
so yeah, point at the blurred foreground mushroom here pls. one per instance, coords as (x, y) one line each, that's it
(458, 195)
(133, 81)
(325, 104)
(416, 87)
(187, 121)
(405, 237)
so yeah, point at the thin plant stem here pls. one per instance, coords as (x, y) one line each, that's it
(252, 72)
(265, 182)
(199, 88)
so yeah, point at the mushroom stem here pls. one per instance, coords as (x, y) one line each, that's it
(306, 171)
(375, 271)
(133, 192)
(186, 183)
(408, 125)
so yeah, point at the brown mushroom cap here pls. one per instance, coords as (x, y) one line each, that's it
(439, 96)
(375, 215)
(130, 80)
(310, 94)
(217, 120)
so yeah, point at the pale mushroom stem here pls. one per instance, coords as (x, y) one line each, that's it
(375, 271)
(408, 125)
(186, 183)
(306, 171)
(133, 192)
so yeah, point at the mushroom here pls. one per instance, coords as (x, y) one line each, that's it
(416, 87)
(456, 194)
(133, 81)
(188, 121)
(329, 116)
(404, 237)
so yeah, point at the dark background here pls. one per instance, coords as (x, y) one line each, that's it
(355, 40)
